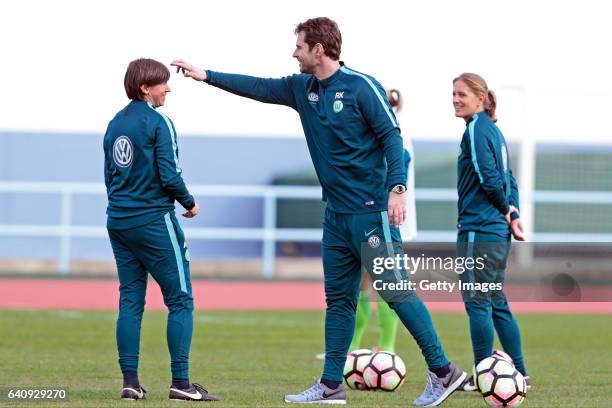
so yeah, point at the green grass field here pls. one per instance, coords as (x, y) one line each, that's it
(251, 359)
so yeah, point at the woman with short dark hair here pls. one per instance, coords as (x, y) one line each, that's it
(143, 180)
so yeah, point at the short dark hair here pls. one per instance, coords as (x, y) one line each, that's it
(144, 71)
(324, 31)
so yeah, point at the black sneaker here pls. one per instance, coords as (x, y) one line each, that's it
(194, 393)
(132, 394)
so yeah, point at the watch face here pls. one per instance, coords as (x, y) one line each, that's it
(399, 189)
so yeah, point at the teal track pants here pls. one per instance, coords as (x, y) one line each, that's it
(158, 248)
(350, 241)
(489, 312)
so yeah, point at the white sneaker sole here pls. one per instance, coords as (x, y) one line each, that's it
(335, 402)
(466, 387)
(190, 400)
(452, 388)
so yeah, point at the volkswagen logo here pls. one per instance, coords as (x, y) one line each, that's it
(374, 241)
(123, 151)
(313, 97)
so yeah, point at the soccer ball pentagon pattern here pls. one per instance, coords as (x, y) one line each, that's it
(500, 383)
(385, 371)
(354, 366)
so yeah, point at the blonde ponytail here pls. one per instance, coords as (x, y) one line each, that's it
(490, 105)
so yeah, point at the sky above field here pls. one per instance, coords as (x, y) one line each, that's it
(63, 61)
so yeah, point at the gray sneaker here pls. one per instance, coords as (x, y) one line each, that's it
(319, 393)
(439, 389)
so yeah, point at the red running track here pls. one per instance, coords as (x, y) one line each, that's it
(101, 294)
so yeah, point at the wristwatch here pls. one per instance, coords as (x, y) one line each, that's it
(398, 189)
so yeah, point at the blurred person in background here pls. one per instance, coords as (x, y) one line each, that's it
(357, 151)
(143, 180)
(489, 216)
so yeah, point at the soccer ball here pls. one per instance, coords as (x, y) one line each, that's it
(502, 356)
(385, 371)
(500, 383)
(354, 366)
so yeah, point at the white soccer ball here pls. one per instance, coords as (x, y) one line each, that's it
(502, 355)
(386, 371)
(354, 366)
(500, 383)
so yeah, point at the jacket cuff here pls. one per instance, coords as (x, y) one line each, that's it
(207, 80)
(189, 204)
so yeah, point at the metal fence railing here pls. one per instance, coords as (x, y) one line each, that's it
(269, 234)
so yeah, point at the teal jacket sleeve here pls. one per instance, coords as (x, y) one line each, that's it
(407, 159)
(166, 157)
(483, 159)
(278, 91)
(514, 194)
(380, 117)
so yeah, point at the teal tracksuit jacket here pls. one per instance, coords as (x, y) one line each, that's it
(352, 133)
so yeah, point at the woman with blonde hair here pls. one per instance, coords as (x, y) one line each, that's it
(489, 216)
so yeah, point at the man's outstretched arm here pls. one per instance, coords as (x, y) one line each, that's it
(268, 90)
